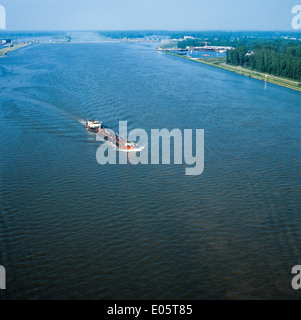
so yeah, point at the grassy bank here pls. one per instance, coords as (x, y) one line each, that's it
(7, 50)
(221, 63)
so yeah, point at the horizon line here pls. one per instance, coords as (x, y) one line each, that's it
(166, 30)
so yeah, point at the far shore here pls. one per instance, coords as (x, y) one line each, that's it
(221, 63)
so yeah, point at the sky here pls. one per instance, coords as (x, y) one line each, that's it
(149, 14)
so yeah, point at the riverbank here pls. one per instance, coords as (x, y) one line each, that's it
(221, 63)
(7, 50)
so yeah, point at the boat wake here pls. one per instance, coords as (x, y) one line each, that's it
(81, 121)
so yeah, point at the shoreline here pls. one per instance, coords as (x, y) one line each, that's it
(5, 51)
(221, 64)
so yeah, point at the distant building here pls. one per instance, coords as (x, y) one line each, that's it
(188, 37)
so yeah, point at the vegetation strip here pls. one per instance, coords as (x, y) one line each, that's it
(221, 63)
(6, 50)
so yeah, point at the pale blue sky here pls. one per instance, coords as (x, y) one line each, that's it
(149, 14)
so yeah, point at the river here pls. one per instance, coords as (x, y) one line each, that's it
(73, 229)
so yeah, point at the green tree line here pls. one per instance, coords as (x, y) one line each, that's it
(274, 57)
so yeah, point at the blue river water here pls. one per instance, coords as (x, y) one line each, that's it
(73, 229)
